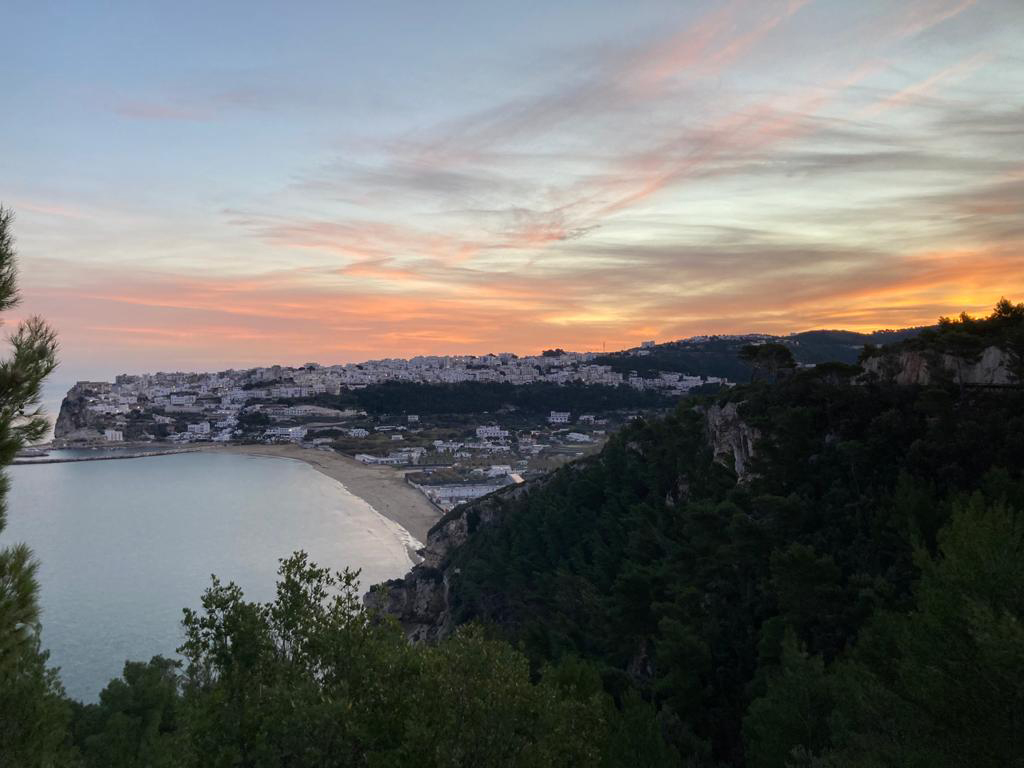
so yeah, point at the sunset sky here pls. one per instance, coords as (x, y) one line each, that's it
(204, 185)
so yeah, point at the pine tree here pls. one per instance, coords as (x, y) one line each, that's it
(30, 694)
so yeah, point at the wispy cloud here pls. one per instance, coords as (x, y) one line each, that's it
(752, 166)
(925, 88)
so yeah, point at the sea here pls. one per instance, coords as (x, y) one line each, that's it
(125, 545)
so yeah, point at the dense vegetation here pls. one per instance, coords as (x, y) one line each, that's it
(397, 397)
(311, 680)
(858, 601)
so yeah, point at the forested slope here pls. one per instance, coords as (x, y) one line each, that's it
(857, 599)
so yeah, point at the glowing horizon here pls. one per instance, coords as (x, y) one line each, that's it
(250, 185)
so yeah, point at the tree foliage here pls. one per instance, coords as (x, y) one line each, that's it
(312, 679)
(769, 360)
(707, 594)
(31, 708)
(472, 397)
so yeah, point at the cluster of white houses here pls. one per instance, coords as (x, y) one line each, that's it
(212, 403)
(490, 439)
(220, 407)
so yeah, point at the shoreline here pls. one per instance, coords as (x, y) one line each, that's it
(383, 488)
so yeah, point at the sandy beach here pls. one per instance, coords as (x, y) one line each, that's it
(383, 488)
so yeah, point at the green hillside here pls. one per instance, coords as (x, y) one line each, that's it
(858, 598)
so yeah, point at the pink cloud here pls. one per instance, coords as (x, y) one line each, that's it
(921, 90)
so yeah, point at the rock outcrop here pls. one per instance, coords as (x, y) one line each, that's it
(74, 421)
(420, 600)
(731, 438)
(991, 368)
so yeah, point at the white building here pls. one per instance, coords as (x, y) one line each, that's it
(113, 435)
(393, 460)
(202, 428)
(491, 432)
(442, 446)
(289, 433)
(448, 496)
(559, 417)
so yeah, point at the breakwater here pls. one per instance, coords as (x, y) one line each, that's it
(126, 455)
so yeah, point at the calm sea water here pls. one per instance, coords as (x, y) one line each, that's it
(125, 545)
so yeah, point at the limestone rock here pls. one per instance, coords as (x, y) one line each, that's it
(731, 438)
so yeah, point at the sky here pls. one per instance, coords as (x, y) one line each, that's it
(200, 186)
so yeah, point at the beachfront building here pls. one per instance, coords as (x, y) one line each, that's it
(113, 435)
(287, 433)
(449, 496)
(394, 460)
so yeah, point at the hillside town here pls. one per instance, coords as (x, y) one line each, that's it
(453, 457)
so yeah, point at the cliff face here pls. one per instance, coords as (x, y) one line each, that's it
(731, 438)
(992, 368)
(75, 422)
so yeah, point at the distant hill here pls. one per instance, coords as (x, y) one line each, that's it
(718, 355)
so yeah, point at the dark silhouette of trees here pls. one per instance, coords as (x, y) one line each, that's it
(769, 360)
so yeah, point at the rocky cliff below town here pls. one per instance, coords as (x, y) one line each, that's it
(420, 600)
(74, 421)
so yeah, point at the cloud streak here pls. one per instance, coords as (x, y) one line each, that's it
(748, 166)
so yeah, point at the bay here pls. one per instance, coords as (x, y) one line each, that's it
(124, 545)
